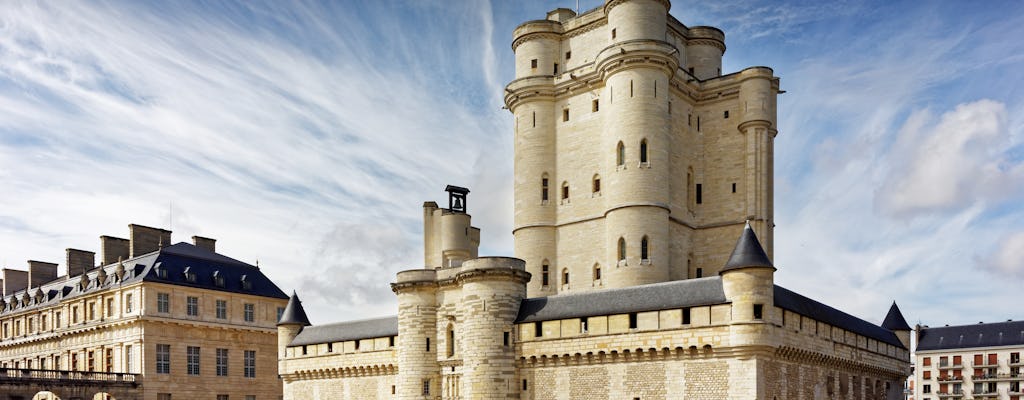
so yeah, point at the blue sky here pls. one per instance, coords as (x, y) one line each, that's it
(307, 135)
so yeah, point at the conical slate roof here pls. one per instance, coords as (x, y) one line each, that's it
(747, 253)
(894, 320)
(293, 313)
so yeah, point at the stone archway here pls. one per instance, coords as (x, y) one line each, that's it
(46, 395)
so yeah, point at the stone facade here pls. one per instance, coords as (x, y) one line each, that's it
(638, 164)
(981, 361)
(115, 318)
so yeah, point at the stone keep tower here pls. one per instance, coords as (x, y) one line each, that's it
(636, 160)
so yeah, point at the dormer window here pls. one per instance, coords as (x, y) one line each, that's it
(246, 283)
(190, 275)
(161, 272)
(218, 279)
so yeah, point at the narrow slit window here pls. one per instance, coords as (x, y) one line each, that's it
(505, 339)
(565, 114)
(544, 274)
(538, 330)
(686, 316)
(699, 194)
(597, 184)
(698, 123)
(597, 272)
(428, 345)
(734, 187)
(534, 119)
(595, 106)
(643, 151)
(544, 189)
(613, 33)
(643, 249)
(620, 154)
(565, 190)
(630, 88)
(555, 69)
(622, 249)
(565, 276)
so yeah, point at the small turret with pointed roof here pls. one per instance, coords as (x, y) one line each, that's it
(293, 313)
(748, 253)
(895, 322)
(293, 319)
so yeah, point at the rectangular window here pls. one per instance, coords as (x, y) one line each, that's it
(555, 69)
(595, 106)
(565, 114)
(192, 360)
(280, 312)
(927, 361)
(110, 307)
(1014, 358)
(128, 365)
(222, 397)
(192, 305)
(426, 387)
(686, 316)
(725, 114)
(129, 304)
(163, 359)
(56, 320)
(250, 397)
(222, 362)
(92, 310)
(568, 55)
(524, 384)
(734, 188)
(428, 345)
(758, 311)
(533, 63)
(505, 338)
(109, 358)
(250, 363)
(222, 309)
(632, 320)
(250, 312)
(538, 331)
(163, 396)
(699, 194)
(91, 361)
(163, 302)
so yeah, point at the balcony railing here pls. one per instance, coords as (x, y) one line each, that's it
(947, 365)
(950, 378)
(22, 375)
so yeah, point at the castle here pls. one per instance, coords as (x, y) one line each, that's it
(643, 244)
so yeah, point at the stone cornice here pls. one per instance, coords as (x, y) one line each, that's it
(706, 42)
(611, 4)
(810, 357)
(535, 36)
(340, 372)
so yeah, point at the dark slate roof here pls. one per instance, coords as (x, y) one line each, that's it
(789, 300)
(173, 259)
(1010, 333)
(747, 253)
(294, 313)
(658, 296)
(894, 320)
(351, 330)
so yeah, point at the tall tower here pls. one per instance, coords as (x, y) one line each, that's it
(636, 160)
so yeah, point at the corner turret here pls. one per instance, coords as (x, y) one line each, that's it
(293, 319)
(748, 280)
(895, 322)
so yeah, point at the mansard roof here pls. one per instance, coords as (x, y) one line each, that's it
(182, 264)
(294, 313)
(1009, 333)
(657, 296)
(350, 330)
(894, 320)
(747, 253)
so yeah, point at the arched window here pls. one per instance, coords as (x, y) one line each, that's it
(643, 151)
(451, 340)
(620, 155)
(644, 255)
(544, 187)
(622, 249)
(596, 184)
(597, 272)
(565, 276)
(565, 191)
(544, 273)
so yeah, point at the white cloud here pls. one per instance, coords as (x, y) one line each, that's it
(1009, 256)
(952, 163)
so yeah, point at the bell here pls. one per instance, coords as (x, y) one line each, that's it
(458, 203)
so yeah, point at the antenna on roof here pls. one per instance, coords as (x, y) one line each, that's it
(577, 7)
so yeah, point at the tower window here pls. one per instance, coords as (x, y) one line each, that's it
(734, 187)
(555, 69)
(538, 331)
(505, 338)
(689, 119)
(544, 189)
(643, 249)
(565, 191)
(524, 384)
(428, 345)
(451, 341)
(597, 272)
(533, 63)
(699, 195)
(643, 151)
(700, 272)
(565, 114)
(758, 311)
(568, 55)
(632, 320)
(686, 316)
(597, 184)
(595, 106)
(565, 276)
(613, 33)
(691, 69)
(534, 119)
(544, 274)
(698, 123)
(620, 155)
(725, 114)
(630, 88)
(622, 249)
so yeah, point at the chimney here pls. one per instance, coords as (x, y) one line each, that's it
(80, 261)
(14, 281)
(111, 250)
(205, 243)
(40, 272)
(144, 239)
